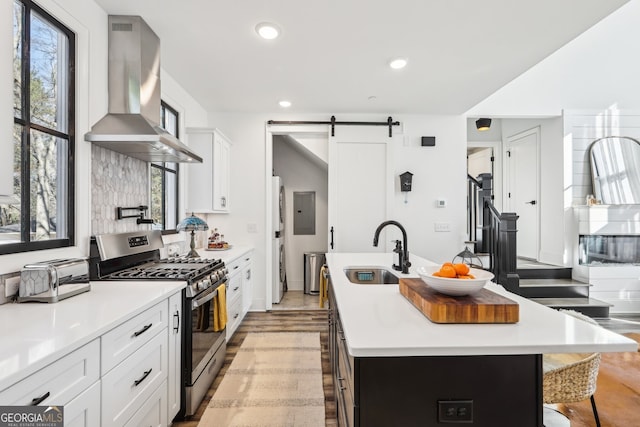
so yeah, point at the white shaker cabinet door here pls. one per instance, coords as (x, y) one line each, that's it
(208, 188)
(175, 356)
(221, 159)
(84, 410)
(247, 284)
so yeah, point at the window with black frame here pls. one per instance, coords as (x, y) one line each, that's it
(164, 179)
(42, 216)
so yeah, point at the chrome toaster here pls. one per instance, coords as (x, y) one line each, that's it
(52, 281)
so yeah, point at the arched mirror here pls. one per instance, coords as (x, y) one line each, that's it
(615, 170)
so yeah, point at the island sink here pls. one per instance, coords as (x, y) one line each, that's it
(370, 276)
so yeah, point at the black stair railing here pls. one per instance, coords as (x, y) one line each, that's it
(502, 229)
(492, 232)
(478, 190)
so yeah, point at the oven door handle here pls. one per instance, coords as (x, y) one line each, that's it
(208, 297)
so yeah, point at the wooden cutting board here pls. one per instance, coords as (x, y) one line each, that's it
(484, 306)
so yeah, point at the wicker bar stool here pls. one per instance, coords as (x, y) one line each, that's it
(571, 377)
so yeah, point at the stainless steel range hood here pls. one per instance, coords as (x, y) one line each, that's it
(132, 126)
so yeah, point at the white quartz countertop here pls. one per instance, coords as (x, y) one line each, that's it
(34, 335)
(379, 321)
(227, 256)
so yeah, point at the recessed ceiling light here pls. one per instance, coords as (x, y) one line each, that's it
(398, 63)
(285, 104)
(267, 30)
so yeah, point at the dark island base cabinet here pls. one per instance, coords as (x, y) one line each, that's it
(505, 390)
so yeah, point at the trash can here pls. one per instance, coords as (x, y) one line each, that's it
(313, 262)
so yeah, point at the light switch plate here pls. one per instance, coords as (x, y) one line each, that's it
(442, 226)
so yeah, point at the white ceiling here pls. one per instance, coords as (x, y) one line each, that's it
(332, 55)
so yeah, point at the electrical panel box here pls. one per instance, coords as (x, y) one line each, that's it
(304, 212)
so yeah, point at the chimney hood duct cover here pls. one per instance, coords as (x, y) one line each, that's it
(132, 126)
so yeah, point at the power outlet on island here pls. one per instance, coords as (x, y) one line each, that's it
(442, 226)
(455, 411)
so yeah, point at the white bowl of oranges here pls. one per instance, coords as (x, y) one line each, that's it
(455, 279)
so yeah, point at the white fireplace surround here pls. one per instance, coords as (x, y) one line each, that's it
(615, 283)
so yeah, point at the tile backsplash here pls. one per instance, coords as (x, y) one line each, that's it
(116, 180)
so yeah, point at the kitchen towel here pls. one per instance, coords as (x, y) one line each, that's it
(324, 291)
(220, 309)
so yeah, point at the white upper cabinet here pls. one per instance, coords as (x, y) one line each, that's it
(208, 184)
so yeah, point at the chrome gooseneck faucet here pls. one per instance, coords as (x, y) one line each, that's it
(403, 254)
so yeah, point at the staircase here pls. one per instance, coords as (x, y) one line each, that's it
(554, 287)
(492, 235)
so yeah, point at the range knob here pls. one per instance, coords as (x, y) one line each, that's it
(204, 284)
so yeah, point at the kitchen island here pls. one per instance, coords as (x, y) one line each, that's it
(393, 366)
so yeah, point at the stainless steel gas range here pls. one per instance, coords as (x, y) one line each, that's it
(135, 256)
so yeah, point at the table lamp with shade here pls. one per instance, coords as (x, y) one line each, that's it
(193, 224)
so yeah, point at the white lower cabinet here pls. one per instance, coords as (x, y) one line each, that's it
(239, 291)
(174, 370)
(234, 314)
(247, 286)
(130, 376)
(153, 412)
(127, 386)
(84, 410)
(59, 382)
(126, 338)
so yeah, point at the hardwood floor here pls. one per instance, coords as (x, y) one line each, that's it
(277, 321)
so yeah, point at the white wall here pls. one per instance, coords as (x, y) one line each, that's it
(299, 173)
(89, 22)
(439, 172)
(598, 69)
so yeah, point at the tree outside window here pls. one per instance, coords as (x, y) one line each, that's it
(43, 70)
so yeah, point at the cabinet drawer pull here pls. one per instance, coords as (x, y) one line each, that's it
(38, 400)
(236, 316)
(176, 321)
(236, 288)
(143, 330)
(236, 267)
(144, 376)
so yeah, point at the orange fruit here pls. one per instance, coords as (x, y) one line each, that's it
(461, 269)
(448, 263)
(463, 276)
(448, 271)
(436, 273)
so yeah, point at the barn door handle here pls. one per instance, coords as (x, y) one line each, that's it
(533, 202)
(331, 244)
